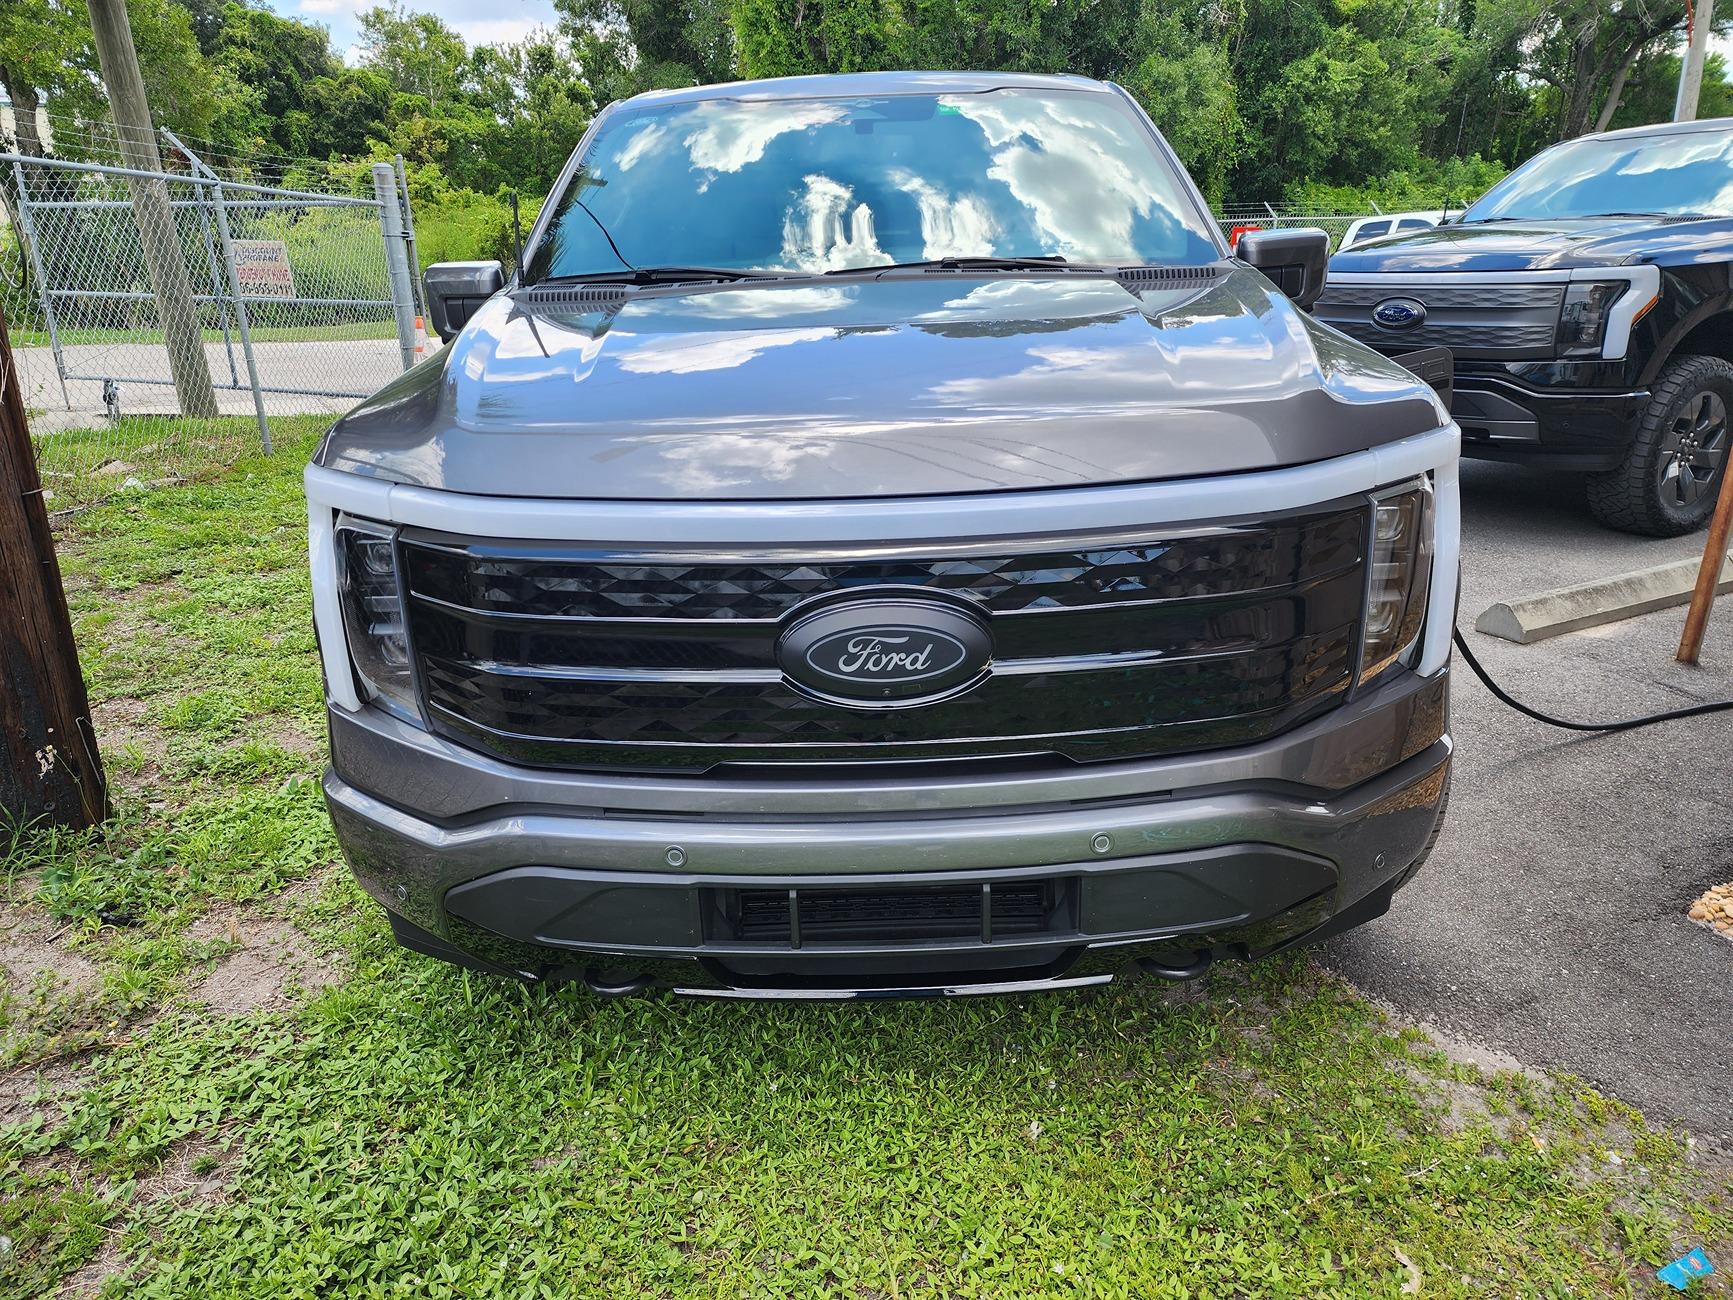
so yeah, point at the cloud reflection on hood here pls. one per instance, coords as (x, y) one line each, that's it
(686, 354)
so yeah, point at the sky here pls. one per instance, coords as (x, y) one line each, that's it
(481, 22)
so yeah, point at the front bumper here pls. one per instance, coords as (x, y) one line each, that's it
(725, 886)
(1565, 428)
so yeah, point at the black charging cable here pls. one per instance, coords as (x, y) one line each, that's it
(1695, 711)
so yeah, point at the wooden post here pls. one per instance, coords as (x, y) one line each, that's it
(1709, 576)
(49, 766)
(159, 237)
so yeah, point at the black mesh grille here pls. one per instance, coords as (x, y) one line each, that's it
(1512, 321)
(816, 917)
(1104, 648)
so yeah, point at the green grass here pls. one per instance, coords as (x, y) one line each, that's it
(80, 467)
(412, 1130)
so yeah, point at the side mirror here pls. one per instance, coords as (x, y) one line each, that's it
(1293, 260)
(455, 289)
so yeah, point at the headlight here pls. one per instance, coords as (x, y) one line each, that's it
(1582, 322)
(1401, 576)
(372, 600)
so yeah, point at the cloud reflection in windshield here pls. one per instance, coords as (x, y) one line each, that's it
(822, 231)
(1054, 157)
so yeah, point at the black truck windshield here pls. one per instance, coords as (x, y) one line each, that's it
(825, 185)
(1675, 175)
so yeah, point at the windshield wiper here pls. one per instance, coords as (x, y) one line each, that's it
(1038, 262)
(666, 275)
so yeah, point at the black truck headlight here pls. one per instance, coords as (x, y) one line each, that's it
(1582, 323)
(371, 595)
(1401, 576)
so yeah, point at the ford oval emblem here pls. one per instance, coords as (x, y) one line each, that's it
(879, 652)
(1399, 313)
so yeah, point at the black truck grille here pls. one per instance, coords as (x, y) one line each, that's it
(1504, 321)
(1107, 647)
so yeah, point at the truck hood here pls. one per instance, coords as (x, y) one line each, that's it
(910, 384)
(1528, 245)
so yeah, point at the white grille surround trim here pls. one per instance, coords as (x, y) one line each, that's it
(984, 516)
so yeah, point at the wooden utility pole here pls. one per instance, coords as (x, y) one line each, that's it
(1701, 19)
(157, 232)
(49, 766)
(1709, 576)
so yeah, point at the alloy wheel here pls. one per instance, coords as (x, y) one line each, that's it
(1695, 449)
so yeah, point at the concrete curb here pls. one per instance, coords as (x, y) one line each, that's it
(1589, 604)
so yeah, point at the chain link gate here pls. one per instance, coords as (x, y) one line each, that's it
(292, 306)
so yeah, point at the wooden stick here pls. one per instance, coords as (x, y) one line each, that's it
(1709, 576)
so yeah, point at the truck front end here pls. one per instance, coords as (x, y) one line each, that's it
(904, 626)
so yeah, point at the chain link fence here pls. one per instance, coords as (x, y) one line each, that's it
(165, 323)
(1263, 216)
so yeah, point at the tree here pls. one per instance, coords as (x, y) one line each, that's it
(1654, 80)
(417, 53)
(276, 59)
(627, 46)
(38, 38)
(1186, 86)
(48, 60)
(345, 111)
(208, 21)
(537, 104)
(1583, 51)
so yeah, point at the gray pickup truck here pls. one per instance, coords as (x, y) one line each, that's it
(882, 543)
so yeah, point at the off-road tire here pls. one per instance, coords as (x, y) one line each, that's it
(1637, 497)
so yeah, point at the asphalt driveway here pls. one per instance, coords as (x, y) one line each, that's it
(1551, 922)
(319, 367)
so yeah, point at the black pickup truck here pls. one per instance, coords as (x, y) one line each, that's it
(1588, 300)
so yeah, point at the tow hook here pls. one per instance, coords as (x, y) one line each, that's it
(1200, 962)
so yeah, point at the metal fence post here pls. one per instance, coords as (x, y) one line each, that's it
(241, 315)
(409, 238)
(199, 169)
(28, 230)
(396, 257)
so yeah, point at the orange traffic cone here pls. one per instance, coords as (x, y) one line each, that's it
(420, 339)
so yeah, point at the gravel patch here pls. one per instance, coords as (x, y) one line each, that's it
(1714, 910)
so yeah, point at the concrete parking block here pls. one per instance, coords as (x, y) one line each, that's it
(1589, 604)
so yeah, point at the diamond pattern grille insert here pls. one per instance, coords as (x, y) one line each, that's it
(558, 656)
(609, 586)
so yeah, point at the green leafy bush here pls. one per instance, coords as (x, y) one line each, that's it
(1453, 182)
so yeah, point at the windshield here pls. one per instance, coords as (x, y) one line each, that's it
(815, 185)
(1688, 174)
